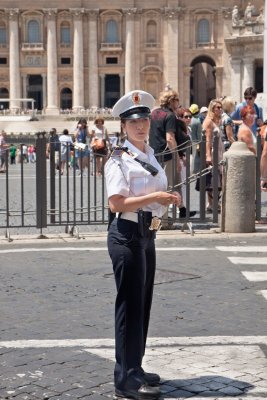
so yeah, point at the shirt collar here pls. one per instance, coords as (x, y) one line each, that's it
(148, 150)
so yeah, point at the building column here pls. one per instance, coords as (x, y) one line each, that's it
(248, 80)
(24, 89)
(129, 49)
(52, 75)
(102, 90)
(78, 61)
(121, 85)
(14, 72)
(44, 76)
(171, 65)
(218, 70)
(24, 85)
(236, 79)
(93, 59)
(137, 60)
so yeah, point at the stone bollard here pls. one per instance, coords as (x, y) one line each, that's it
(238, 203)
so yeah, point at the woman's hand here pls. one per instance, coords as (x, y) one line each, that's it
(165, 199)
(208, 161)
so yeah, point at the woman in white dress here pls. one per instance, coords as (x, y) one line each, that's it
(100, 144)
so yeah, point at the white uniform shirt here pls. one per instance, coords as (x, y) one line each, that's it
(126, 177)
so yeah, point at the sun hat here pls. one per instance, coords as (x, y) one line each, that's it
(194, 109)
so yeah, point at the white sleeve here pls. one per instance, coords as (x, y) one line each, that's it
(115, 180)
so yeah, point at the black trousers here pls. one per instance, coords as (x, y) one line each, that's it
(134, 261)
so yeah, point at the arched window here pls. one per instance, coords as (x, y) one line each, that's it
(3, 34)
(66, 99)
(112, 32)
(151, 32)
(34, 32)
(203, 32)
(65, 33)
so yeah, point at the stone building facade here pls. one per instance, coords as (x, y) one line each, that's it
(86, 53)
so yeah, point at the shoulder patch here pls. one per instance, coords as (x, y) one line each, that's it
(117, 153)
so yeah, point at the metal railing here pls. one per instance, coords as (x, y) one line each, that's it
(39, 196)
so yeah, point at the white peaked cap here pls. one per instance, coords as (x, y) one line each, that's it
(135, 104)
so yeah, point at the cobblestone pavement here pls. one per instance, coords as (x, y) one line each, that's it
(208, 326)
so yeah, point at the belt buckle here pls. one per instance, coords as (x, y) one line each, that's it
(155, 224)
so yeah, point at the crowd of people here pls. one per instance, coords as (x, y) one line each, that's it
(83, 145)
(174, 127)
(15, 154)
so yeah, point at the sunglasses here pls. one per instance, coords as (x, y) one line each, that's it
(187, 116)
(249, 98)
(218, 107)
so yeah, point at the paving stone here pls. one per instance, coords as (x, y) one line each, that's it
(231, 390)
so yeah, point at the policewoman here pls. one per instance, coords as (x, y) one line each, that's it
(136, 188)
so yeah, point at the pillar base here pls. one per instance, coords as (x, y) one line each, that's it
(51, 111)
(77, 109)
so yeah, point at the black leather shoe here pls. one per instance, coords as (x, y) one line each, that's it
(145, 392)
(182, 213)
(150, 379)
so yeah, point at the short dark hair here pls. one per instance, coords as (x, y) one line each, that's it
(65, 132)
(82, 121)
(250, 91)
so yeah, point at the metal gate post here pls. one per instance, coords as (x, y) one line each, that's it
(41, 186)
(258, 186)
(52, 183)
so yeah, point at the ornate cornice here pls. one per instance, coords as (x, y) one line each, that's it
(129, 12)
(151, 13)
(77, 12)
(92, 13)
(12, 13)
(64, 15)
(50, 13)
(173, 13)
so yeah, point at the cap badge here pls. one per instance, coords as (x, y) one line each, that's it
(136, 99)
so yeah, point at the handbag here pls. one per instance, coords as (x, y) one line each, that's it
(80, 146)
(99, 144)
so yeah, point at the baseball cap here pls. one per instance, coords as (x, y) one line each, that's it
(203, 109)
(194, 108)
(133, 105)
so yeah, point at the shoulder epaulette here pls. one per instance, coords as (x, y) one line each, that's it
(119, 150)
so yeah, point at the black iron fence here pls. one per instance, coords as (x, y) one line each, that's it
(39, 196)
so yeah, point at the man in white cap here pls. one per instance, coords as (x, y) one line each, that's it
(203, 113)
